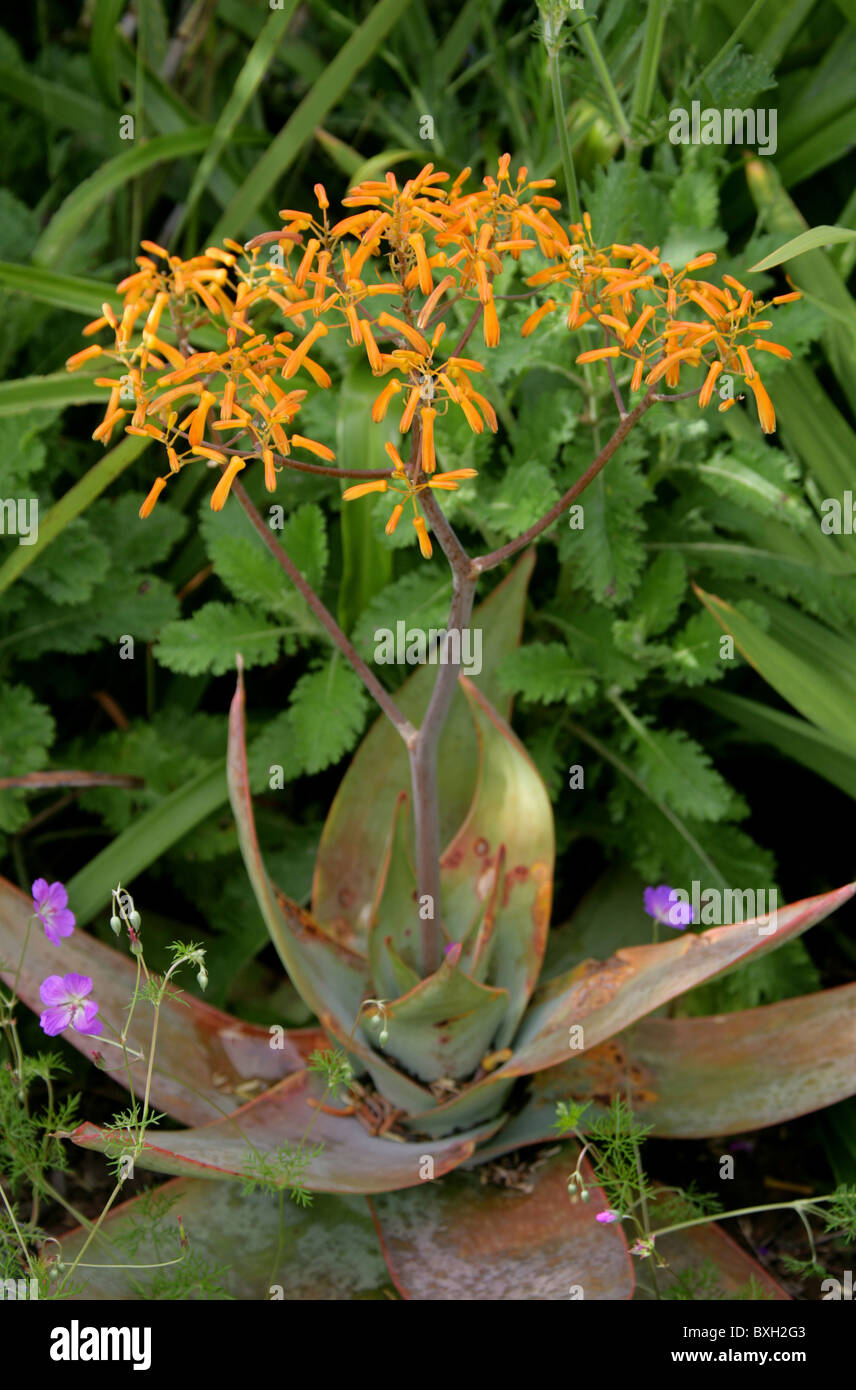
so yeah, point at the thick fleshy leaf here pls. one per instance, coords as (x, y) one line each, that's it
(511, 816)
(331, 978)
(206, 1063)
(605, 997)
(445, 1024)
(252, 1246)
(460, 1240)
(352, 1159)
(474, 1106)
(694, 1078)
(354, 839)
(393, 940)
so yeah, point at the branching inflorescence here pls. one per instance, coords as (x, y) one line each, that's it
(389, 274)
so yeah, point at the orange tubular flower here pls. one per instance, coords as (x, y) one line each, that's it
(431, 243)
(424, 539)
(362, 489)
(221, 491)
(491, 324)
(707, 389)
(427, 416)
(148, 506)
(766, 413)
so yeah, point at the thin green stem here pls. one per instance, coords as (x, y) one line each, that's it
(562, 134)
(589, 44)
(646, 72)
(17, 1229)
(92, 1234)
(741, 1211)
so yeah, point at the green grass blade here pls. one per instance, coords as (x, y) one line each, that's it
(249, 79)
(814, 270)
(76, 293)
(829, 757)
(815, 428)
(42, 392)
(67, 109)
(102, 48)
(151, 835)
(806, 241)
(70, 219)
(811, 689)
(298, 129)
(75, 501)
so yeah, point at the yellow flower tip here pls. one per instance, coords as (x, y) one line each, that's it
(362, 489)
(155, 249)
(221, 491)
(726, 405)
(424, 539)
(700, 262)
(148, 506)
(321, 194)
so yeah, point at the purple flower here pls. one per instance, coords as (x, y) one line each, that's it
(66, 995)
(664, 906)
(605, 1217)
(50, 901)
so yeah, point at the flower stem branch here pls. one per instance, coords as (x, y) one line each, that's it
(496, 557)
(369, 680)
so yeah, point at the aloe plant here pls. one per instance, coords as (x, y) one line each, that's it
(423, 954)
(476, 1054)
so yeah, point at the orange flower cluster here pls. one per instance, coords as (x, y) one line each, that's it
(643, 304)
(419, 249)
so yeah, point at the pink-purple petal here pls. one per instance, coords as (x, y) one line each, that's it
(85, 1021)
(55, 1020)
(78, 985)
(53, 990)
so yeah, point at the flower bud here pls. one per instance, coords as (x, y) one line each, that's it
(115, 925)
(136, 920)
(202, 977)
(383, 1036)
